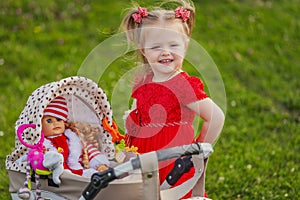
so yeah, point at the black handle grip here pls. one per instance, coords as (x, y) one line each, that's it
(99, 181)
(182, 165)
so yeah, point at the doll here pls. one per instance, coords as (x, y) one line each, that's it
(60, 135)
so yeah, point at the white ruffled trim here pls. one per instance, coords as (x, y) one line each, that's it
(75, 149)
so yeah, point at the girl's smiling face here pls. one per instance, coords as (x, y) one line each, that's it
(164, 48)
(52, 126)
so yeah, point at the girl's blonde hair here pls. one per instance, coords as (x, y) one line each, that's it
(164, 13)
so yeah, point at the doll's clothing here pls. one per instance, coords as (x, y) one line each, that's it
(72, 147)
(162, 119)
(75, 150)
(62, 142)
(89, 172)
(96, 158)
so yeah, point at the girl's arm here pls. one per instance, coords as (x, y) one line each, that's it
(127, 112)
(213, 118)
(133, 105)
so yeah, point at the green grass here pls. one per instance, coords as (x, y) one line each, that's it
(255, 44)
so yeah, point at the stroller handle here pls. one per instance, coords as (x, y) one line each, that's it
(100, 180)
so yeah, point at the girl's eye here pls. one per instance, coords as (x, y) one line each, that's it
(174, 45)
(48, 120)
(57, 119)
(155, 47)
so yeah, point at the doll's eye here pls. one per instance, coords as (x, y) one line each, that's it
(48, 120)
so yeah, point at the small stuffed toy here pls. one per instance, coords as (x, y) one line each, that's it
(123, 152)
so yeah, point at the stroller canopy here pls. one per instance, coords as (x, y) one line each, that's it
(86, 103)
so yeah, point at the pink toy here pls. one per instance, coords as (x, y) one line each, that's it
(36, 152)
(35, 162)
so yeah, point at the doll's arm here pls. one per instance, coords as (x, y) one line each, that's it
(213, 118)
(96, 157)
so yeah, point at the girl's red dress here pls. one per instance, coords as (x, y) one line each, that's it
(162, 118)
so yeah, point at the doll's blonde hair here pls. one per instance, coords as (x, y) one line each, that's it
(89, 135)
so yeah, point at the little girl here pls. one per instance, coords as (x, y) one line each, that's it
(166, 98)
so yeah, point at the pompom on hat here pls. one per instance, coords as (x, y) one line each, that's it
(57, 108)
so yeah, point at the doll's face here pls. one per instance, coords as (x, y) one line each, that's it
(52, 126)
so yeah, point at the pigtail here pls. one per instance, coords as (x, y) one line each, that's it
(130, 26)
(191, 21)
(187, 5)
(132, 30)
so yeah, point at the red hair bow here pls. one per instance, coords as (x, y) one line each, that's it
(137, 17)
(182, 13)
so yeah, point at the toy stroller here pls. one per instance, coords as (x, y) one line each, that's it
(87, 103)
(148, 163)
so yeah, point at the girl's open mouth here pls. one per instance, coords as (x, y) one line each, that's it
(165, 61)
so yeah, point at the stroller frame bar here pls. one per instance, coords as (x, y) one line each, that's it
(101, 180)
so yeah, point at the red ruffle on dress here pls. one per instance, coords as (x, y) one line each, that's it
(162, 119)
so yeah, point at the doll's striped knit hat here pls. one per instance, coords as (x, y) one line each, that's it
(57, 108)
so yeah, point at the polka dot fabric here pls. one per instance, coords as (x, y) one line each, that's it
(80, 87)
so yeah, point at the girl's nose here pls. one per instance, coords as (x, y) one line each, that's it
(165, 52)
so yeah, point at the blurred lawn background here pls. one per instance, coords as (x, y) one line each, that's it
(254, 43)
